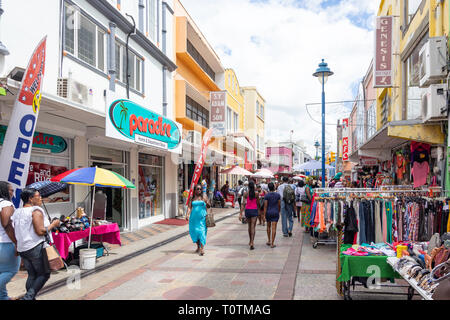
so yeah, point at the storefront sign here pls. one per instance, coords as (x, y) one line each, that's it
(199, 166)
(53, 144)
(218, 102)
(345, 131)
(16, 151)
(130, 122)
(367, 161)
(383, 53)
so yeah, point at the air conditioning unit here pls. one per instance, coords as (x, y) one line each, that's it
(75, 91)
(194, 137)
(433, 61)
(434, 103)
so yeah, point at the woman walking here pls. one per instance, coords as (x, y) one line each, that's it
(196, 215)
(272, 207)
(305, 210)
(30, 228)
(9, 261)
(261, 215)
(251, 211)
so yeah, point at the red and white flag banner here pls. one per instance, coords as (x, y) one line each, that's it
(201, 161)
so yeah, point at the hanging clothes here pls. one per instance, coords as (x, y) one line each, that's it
(351, 225)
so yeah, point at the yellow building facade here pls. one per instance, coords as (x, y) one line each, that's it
(400, 117)
(254, 123)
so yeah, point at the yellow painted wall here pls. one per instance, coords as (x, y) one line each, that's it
(235, 100)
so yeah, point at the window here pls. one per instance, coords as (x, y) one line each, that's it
(371, 120)
(134, 67)
(262, 112)
(196, 112)
(257, 108)
(258, 146)
(152, 20)
(199, 59)
(235, 122)
(413, 91)
(83, 38)
(413, 6)
(229, 112)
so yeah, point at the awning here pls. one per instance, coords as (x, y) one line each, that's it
(396, 133)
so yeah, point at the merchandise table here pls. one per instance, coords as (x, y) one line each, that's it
(412, 282)
(363, 266)
(109, 233)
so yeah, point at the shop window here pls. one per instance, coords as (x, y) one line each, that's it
(83, 38)
(413, 93)
(150, 185)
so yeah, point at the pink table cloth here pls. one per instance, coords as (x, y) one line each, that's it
(109, 233)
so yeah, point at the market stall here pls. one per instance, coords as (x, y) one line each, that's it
(377, 224)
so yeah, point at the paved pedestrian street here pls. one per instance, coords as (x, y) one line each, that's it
(227, 271)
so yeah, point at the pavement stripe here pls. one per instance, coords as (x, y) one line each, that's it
(97, 293)
(220, 270)
(317, 271)
(286, 285)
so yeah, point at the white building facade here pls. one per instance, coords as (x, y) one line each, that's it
(92, 46)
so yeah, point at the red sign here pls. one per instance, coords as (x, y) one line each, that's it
(382, 73)
(345, 150)
(200, 162)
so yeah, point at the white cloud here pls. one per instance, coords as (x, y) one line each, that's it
(276, 45)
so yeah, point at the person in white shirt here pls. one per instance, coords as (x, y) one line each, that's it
(9, 261)
(30, 228)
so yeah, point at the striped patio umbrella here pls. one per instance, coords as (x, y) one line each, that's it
(95, 177)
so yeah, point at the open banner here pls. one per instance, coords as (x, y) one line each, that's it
(16, 150)
(201, 161)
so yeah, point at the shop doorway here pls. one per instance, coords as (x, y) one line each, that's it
(115, 199)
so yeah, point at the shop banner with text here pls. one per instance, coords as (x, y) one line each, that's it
(16, 151)
(201, 161)
(382, 66)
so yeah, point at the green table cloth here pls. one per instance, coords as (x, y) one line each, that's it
(365, 266)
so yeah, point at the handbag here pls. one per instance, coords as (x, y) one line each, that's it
(53, 259)
(210, 220)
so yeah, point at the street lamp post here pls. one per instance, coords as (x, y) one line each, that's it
(322, 73)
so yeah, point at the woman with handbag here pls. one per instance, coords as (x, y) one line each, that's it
(9, 261)
(305, 209)
(196, 215)
(30, 228)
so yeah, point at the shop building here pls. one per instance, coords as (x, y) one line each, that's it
(199, 73)
(86, 65)
(254, 123)
(411, 114)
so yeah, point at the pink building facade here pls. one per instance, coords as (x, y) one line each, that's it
(279, 159)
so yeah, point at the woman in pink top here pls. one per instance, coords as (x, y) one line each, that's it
(251, 211)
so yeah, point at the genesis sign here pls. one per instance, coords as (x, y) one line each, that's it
(382, 73)
(130, 122)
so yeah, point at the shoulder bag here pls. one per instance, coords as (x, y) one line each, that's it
(53, 259)
(210, 220)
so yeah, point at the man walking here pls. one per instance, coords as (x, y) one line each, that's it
(287, 207)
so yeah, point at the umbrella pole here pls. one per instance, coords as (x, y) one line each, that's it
(92, 218)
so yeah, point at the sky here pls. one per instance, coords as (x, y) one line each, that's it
(276, 45)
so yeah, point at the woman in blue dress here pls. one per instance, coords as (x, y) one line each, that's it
(196, 215)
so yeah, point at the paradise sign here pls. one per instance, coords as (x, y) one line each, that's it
(130, 122)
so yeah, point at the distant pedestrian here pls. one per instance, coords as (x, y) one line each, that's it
(242, 191)
(261, 216)
(196, 215)
(299, 192)
(251, 211)
(31, 226)
(287, 207)
(9, 260)
(272, 207)
(238, 192)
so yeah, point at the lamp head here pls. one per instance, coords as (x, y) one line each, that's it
(323, 72)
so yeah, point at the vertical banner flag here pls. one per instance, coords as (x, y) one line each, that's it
(382, 72)
(199, 166)
(16, 151)
(345, 132)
